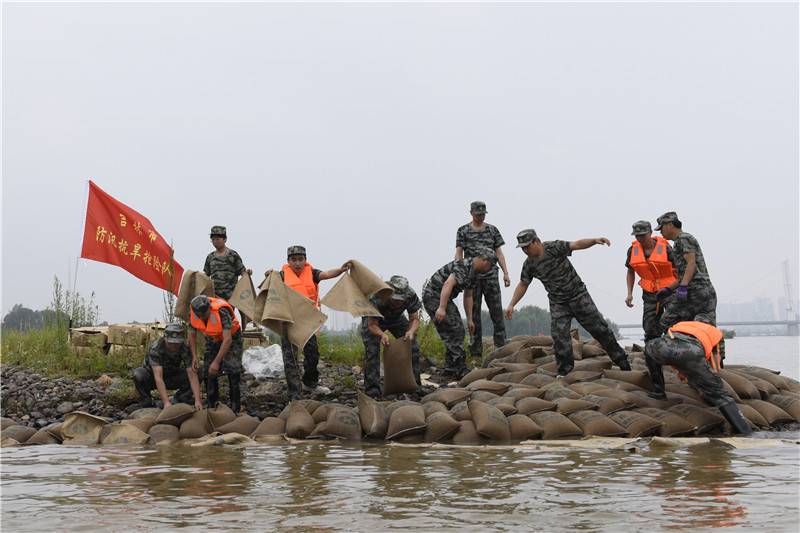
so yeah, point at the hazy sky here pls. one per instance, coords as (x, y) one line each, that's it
(364, 131)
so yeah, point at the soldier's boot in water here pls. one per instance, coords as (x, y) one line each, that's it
(735, 418)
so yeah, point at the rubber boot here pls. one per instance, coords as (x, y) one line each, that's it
(735, 418)
(657, 378)
(145, 400)
(184, 395)
(235, 393)
(212, 392)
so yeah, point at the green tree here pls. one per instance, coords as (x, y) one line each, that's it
(23, 319)
(532, 320)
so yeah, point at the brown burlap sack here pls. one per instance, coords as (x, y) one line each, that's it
(196, 426)
(513, 377)
(142, 424)
(594, 424)
(506, 405)
(685, 390)
(512, 367)
(343, 423)
(590, 350)
(567, 406)
(587, 387)
(271, 425)
(466, 434)
(753, 416)
(555, 425)
(310, 406)
(397, 404)
(448, 397)
(765, 388)
(147, 412)
(320, 414)
(508, 349)
(193, 284)
(577, 350)
(634, 377)
(674, 426)
(398, 375)
(55, 430)
(483, 396)
(771, 412)
(243, 424)
(522, 427)
(791, 385)
(577, 376)
(434, 407)
(637, 424)
(319, 432)
(175, 414)
(537, 380)
(605, 405)
(18, 433)
(440, 426)
(220, 415)
(164, 434)
(524, 392)
(524, 355)
(617, 384)
(641, 399)
(705, 420)
(480, 373)
(617, 394)
(533, 340)
(406, 420)
(555, 391)
(494, 387)
(300, 424)
(5, 422)
(743, 387)
(549, 369)
(105, 432)
(460, 412)
(776, 380)
(528, 406)
(597, 365)
(82, 428)
(489, 421)
(125, 434)
(789, 404)
(43, 437)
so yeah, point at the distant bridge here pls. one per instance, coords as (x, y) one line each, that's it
(793, 326)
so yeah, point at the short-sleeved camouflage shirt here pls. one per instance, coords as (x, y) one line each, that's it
(473, 241)
(158, 355)
(461, 269)
(224, 270)
(685, 243)
(555, 271)
(391, 313)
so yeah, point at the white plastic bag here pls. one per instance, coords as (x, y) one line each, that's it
(263, 361)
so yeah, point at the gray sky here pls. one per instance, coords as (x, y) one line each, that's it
(364, 131)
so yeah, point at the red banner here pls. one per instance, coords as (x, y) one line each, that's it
(116, 234)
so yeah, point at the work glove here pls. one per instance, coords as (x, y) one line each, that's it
(662, 294)
(682, 293)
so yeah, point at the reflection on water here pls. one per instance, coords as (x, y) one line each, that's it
(374, 487)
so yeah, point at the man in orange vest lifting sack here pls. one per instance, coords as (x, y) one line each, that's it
(693, 349)
(223, 346)
(298, 274)
(651, 258)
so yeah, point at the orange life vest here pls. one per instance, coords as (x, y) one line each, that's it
(304, 283)
(656, 272)
(707, 334)
(213, 328)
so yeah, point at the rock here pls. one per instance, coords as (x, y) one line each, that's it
(65, 408)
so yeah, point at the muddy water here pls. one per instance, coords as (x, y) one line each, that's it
(366, 487)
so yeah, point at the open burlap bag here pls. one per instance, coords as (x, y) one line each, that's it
(125, 434)
(82, 428)
(277, 303)
(193, 284)
(352, 291)
(243, 298)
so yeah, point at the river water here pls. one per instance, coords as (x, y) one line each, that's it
(329, 486)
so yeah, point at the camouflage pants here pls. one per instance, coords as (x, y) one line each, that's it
(487, 289)
(145, 382)
(291, 367)
(687, 354)
(585, 312)
(700, 306)
(452, 332)
(231, 366)
(372, 355)
(651, 316)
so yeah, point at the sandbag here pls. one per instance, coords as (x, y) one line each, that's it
(499, 353)
(771, 412)
(449, 397)
(480, 373)
(18, 433)
(434, 407)
(512, 367)
(673, 425)
(243, 424)
(272, 425)
(522, 427)
(593, 365)
(594, 424)
(43, 436)
(146, 412)
(300, 424)
(407, 420)
(125, 434)
(460, 412)
(320, 414)
(524, 355)
(373, 416)
(637, 424)
(617, 384)
(566, 406)
(398, 373)
(467, 433)
(555, 391)
(617, 394)
(605, 405)
(483, 396)
(82, 428)
(489, 421)
(310, 406)
(142, 424)
(765, 388)
(506, 405)
(526, 392)
(744, 389)
(490, 386)
(555, 425)
(513, 377)
(585, 388)
(198, 425)
(440, 426)
(788, 403)
(753, 416)
(397, 404)
(537, 380)
(164, 434)
(639, 378)
(704, 420)
(343, 423)
(6, 422)
(319, 432)
(530, 405)
(582, 376)
(777, 381)
(641, 399)
(577, 350)
(175, 414)
(590, 350)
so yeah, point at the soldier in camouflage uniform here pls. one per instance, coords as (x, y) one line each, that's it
(222, 355)
(694, 296)
(403, 300)
(470, 239)
(437, 297)
(549, 263)
(688, 353)
(168, 366)
(223, 265)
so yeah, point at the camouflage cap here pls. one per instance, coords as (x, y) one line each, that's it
(478, 207)
(400, 286)
(173, 333)
(218, 230)
(201, 304)
(641, 228)
(669, 216)
(296, 250)
(490, 255)
(525, 237)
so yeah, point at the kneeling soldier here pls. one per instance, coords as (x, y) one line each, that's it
(168, 366)
(690, 347)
